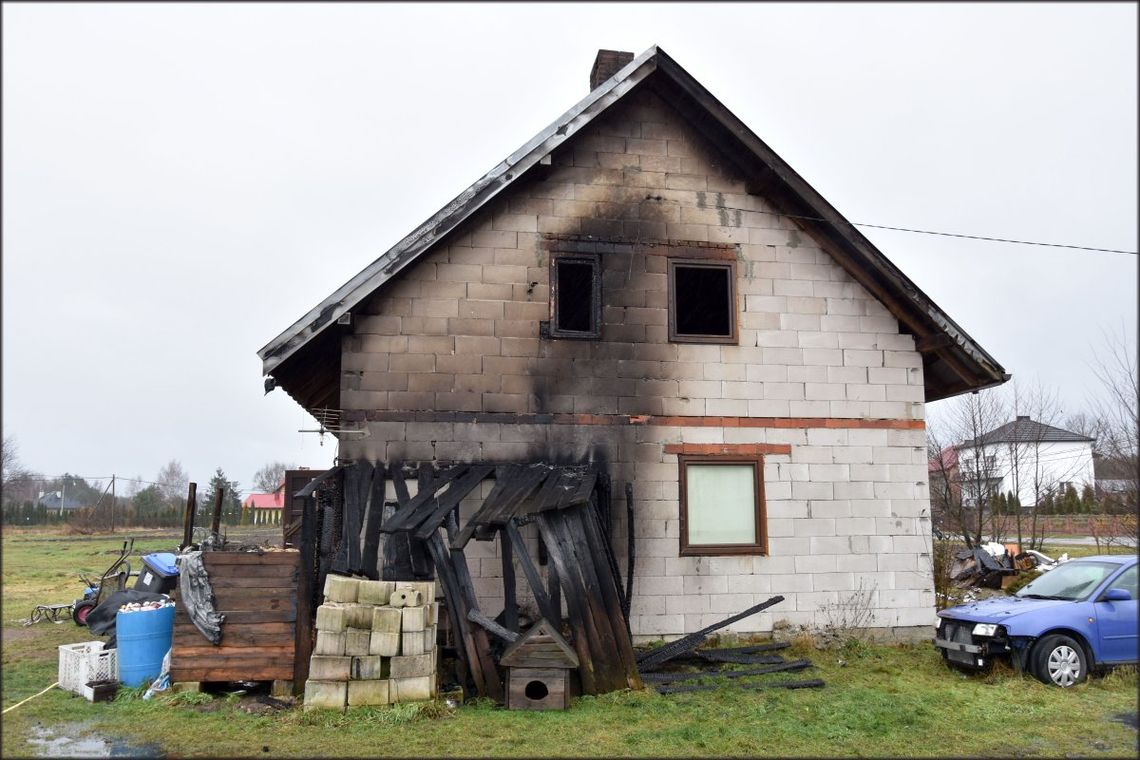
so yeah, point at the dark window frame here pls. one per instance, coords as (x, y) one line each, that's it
(594, 260)
(733, 336)
(760, 546)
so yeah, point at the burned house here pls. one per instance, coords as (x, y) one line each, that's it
(646, 292)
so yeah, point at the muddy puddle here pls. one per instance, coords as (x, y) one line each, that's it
(77, 740)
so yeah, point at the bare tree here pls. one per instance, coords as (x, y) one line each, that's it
(270, 477)
(1116, 407)
(172, 481)
(9, 460)
(967, 481)
(1034, 471)
(17, 483)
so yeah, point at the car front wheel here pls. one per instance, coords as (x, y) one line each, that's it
(1060, 661)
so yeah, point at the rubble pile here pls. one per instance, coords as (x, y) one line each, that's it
(994, 565)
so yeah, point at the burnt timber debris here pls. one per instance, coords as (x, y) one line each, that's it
(685, 649)
(811, 683)
(777, 667)
(364, 532)
(652, 659)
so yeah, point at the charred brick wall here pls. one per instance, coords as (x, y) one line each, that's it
(447, 363)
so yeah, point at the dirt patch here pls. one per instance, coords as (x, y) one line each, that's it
(17, 634)
(1128, 719)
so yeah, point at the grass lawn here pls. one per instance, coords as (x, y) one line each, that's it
(879, 701)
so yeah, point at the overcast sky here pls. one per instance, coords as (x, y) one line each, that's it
(182, 182)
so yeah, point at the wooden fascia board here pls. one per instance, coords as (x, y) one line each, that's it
(457, 211)
(919, 307)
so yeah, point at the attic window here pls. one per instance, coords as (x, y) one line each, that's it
(702, 301)
(575, 296)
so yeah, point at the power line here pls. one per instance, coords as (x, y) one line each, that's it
(924, 232)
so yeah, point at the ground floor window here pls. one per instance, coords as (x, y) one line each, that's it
(722, 505)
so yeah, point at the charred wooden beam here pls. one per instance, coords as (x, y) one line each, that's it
(721, 673)
(812, 683)
(188, 515)
(740, 655)
(510, 604)
(475, 616)
(541, 598)
(372, 521)
(444, 505)
(630, 550)
(308, 569)
(656, 657)
(577, 615)
(492, 683)
(740, 659)
(456, 611)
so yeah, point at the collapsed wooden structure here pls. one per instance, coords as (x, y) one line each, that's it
(352, 527)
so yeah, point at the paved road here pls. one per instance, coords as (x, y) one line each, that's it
(1063, 541)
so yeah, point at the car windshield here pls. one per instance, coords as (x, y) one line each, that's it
(1070, 581)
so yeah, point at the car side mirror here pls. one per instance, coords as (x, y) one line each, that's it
(1116, 595)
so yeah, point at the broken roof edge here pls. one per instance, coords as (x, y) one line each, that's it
(454, 213)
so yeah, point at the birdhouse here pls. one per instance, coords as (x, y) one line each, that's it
(542, 670)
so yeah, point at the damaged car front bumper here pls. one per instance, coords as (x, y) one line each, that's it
(974, 646)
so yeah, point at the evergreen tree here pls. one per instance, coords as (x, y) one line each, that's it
(148, 505)
(1088, 500)
(1070, 501)
(231, 500)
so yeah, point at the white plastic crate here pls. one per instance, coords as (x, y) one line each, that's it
(86, 661)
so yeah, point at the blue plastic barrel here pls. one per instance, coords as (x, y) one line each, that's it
(144, 637)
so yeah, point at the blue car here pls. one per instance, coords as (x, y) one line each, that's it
(1078, 616)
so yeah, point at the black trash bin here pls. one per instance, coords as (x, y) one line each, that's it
(159, 573)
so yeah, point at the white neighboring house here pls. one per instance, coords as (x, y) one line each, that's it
(1027, 458)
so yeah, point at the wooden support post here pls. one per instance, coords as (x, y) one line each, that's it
(457, 612)
(554, 586)
(216, 521)
(545, 606)
(188, 515)
(510, 604)
(308, 570)
(629, 558)
(370, 559)
(492, 682)
(574, 601)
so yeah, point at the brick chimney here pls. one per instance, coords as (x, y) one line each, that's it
(606, 65)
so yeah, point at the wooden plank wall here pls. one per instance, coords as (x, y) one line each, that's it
(291, 517)
(257, 593)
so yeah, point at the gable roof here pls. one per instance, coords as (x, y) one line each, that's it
(51, 501)
(275, 500)
(541, 644)
(953, 362)
(947, 460)
(1025, 430)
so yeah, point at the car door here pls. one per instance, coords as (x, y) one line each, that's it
(1117, 622)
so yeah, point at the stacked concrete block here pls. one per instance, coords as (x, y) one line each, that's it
(375, 644)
